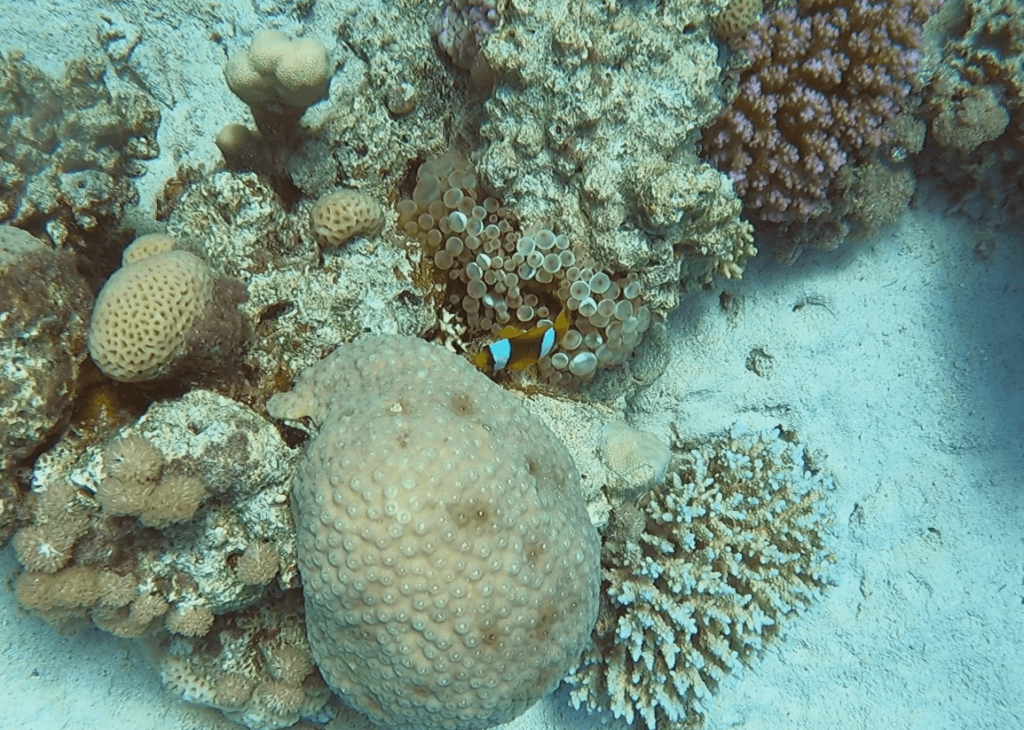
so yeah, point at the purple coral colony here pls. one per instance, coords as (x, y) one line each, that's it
(527, 190)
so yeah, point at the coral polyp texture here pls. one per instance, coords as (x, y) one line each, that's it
(252, 665)
(449, 566)
(824, 83)
(146, 528)
(163, 313)
(703, 574)
(493, 275)
(590, 132)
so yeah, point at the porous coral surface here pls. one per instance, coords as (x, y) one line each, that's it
(69, 148)
(449, 566)
(44, 305)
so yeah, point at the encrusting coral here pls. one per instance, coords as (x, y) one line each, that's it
(44, 305)
(70, 149)
(590, 131)
(120, 534)
(700, 576)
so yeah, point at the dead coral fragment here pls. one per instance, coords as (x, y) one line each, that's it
(258, 564)
(138, 485)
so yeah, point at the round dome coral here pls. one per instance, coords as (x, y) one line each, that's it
(449, 566)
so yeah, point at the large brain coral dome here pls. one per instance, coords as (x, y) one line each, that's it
(449, 566)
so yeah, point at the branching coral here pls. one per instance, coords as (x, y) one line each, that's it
(825, 81)
(703, 574)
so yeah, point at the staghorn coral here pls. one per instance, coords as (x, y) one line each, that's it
(467, 576)
(704, 574)
(824, 83)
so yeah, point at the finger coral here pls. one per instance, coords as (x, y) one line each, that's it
(825, 80)
(704, 574)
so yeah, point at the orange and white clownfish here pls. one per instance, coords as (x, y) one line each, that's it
(518, 349)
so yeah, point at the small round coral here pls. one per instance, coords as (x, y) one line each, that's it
(143, 313)
(338, 216)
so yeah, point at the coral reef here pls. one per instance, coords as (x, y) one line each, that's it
(69, 149)
(704, 573)
(463, 570)
(164, 314)
(88, 557)
(590, 132)
(303, 302)
(824, 83)
(491, 275)
(43, 319)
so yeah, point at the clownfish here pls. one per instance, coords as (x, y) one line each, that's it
(518, 349)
